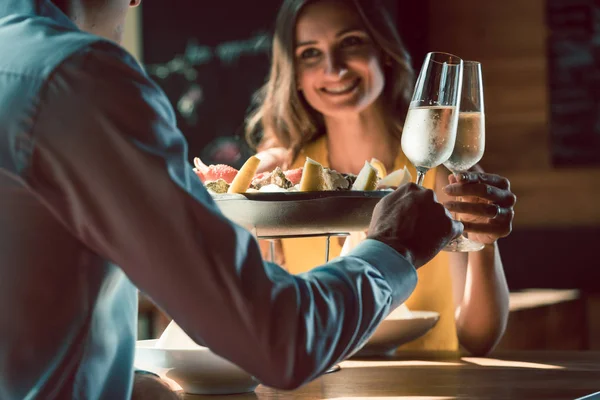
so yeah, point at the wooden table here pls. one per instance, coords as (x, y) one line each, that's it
(540, 319)
(517, 375)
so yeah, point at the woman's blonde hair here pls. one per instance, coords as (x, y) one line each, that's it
(283, 117)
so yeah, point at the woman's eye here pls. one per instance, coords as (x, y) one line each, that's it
(352, 41)
(309, 53)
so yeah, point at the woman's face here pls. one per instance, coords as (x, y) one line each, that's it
(338, 67)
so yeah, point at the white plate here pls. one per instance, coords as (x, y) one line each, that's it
(394, 332)
(197, 371)
(301, 213)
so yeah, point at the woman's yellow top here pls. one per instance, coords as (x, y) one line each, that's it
(434, 289)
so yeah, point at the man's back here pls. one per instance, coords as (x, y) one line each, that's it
(94, 173)
(46, 335)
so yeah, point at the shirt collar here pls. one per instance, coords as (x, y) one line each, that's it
(41, 8)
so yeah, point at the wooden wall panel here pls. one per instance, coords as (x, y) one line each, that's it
(509, 38)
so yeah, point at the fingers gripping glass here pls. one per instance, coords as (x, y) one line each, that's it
(470, 138)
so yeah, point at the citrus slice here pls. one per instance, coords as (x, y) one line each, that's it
(396, 178)
(312, 176)
(366, 179)
(244, 177)
(378, 165)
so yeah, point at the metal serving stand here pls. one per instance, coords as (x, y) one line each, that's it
(275, 216)
(327, 236)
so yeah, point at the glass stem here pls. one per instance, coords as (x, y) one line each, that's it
(421, 175)
(455, 214)
(272, 250)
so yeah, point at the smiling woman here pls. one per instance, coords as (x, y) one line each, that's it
(337, 62)
(338, 93)
(349, 38)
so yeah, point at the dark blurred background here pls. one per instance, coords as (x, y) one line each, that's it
(210, 61)
(541, 65)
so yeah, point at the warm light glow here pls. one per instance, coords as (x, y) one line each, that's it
(162, 372)
(172, 384)
(490, 362)
(377, 364)
(396, 398)
(534, 298)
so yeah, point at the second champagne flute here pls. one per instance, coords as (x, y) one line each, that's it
(470, 138)
(430, 128)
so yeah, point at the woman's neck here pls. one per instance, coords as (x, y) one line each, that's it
(354, 139)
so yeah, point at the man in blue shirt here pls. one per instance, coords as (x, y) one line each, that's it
(97, 199)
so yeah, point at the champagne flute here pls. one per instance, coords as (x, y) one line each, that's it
(430, 128)
(470, 138)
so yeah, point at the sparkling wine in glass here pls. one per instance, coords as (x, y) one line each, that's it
(430, 127)
(470, 138)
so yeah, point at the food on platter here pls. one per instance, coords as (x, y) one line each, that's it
(366, 179)
(244, 177)
(211, 173)
(397, 178)
(379, 166)
(218, 186)
(312, 177)
(284, 180)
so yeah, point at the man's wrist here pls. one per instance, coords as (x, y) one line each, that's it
(403, 251)
(398, 271)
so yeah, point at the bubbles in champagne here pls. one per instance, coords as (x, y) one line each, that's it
(470, 142)
(429, 135)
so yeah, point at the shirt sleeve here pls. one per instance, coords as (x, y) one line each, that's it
(111, 165)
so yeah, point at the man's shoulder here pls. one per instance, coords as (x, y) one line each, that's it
(37, 46)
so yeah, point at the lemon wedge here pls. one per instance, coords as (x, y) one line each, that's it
(366, 179)
(378, 165)
(312, 176)
(242, 180)
(397, 178)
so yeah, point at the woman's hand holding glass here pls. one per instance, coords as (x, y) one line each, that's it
(470, 139)
(486, 207)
